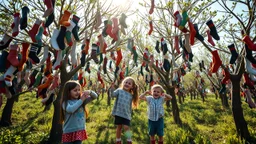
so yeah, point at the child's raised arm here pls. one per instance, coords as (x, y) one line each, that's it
(167, 96)
(143, 95)
(88, 96)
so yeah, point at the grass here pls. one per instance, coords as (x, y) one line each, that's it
(203, 123)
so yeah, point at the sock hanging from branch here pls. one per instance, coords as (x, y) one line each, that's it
(213, 30)
(248, 81)
(184, 20)
(13, 55)
(64, 20)
(49, 9)
(24, 55)
(98, 19)
(122, 20)
(135, 55)
(249, 43)
(94, 53)
(119, 56)
(33, 53)
(24, 17)
(216, 61)
(150, 27)
(75, 19)
(157, 47)
(32, 33)
(198, 36)
(60, 38)
(164, 46)
(68, 33)
(53, 39)
(152, 6)
(234, 54)
(176, 44)
(192, 33)
(8, 75)
(249, 55)
(15, 24)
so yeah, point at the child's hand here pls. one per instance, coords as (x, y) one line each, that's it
(87, 92)
(84, 96)
(148, 92)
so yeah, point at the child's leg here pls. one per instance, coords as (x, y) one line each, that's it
(118, 131)
(152, 139)
(161, 140)
(128, 134)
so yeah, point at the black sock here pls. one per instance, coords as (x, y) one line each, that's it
(198, 36)
(33, 53)
(60, 38)
(82, 59)
(157, 46)
(24, 18)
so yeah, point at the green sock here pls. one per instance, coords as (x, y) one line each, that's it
(39, 36)
(184, 19)
(38, 80)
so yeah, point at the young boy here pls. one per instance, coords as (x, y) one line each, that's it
(155, 101)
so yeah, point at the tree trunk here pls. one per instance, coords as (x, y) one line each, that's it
(175, 108)
(179, 97)
(224, 100)
(191, 95)
(56, 129)
(241, 125)
(7, 113)
(216, 95)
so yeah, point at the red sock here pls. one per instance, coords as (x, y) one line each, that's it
(160, 142)
(176, 44)
(13, 55)
(210, 40)
(152, 141)
(152, 7)
(119, 56)
(216, 61)
(64, 21)
(24, 56)
(157, 63)
(192, 33)
(109, 29)
(49, 9)
(151, 27)
(249, 43)
(15, 24)
(32, 33)
(226, 76)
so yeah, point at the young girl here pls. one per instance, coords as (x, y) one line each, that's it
(73, 112)
(155, 102)
(126, 97)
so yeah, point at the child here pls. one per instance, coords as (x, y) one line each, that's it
(73, 112)
(155, 102)
(126, 97)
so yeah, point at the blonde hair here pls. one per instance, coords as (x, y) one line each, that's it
(133, 91)
(157, 86)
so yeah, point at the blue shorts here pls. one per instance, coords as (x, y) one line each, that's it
(156, 127)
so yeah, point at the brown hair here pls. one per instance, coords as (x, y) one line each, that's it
(134, 91)
(69, 85)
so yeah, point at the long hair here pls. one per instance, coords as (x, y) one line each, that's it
(69, 85)
(133, 91)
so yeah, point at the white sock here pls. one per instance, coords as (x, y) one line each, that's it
(78, 59)
(45, 56)
(118, 139)
(8, 75)
(58, 60)
(249, 67)
(54, 39)
(123, 30)
(72, 25)
(73, 54)
(173, 61)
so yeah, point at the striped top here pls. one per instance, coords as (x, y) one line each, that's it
(155, 108)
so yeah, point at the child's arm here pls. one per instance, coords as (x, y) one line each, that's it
(90, 96)
(167, 96)
(143, 95)
(72, 108)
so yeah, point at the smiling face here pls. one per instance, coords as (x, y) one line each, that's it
(75, 92)
(156, 92)
(128, 84)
